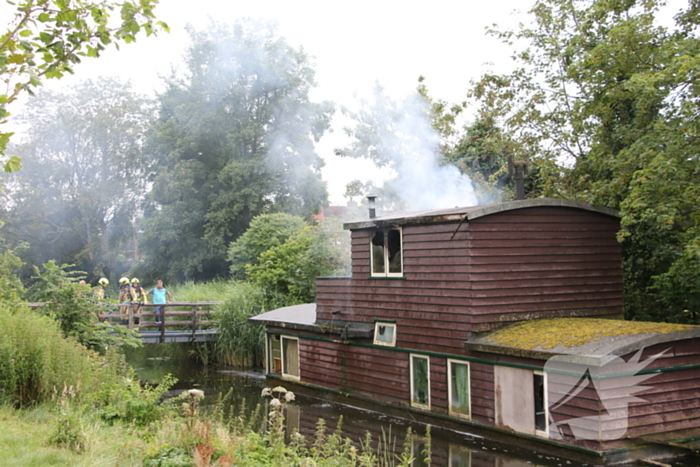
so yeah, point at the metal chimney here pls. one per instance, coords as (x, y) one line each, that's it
(371, 200)
(519, 172)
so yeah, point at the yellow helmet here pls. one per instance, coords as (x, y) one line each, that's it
(124, 280)
(103, 281)
(134, 281)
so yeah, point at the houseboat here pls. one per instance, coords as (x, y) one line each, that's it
(505, 317)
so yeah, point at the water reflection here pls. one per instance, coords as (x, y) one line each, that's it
(449, 448)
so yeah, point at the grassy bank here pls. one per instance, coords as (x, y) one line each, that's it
(40, 436)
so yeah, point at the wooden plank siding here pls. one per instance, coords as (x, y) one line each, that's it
(515, 265)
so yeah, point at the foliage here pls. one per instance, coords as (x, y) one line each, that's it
(605, 101)
(47, 38)
(265, 232)
(75, 309)
(31, 370)
(11, 288)
(122, 397)
(291, 268)
(240, 342)
(85, 174)
(234, 139)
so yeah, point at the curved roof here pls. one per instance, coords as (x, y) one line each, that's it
(460, 214)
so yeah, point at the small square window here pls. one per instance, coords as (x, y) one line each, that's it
(386, 247)
(385, 334)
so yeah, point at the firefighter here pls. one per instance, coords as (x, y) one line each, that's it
(101, 291)
(141, 297)
(126, 295)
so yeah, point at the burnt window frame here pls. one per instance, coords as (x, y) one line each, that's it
(386, 251)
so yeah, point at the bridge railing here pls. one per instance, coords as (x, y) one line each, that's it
(175, 316)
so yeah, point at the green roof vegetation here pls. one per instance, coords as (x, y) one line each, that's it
(573, 332)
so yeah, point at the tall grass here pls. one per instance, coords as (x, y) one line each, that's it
(36, 360)
(218, 290)
(240, 342)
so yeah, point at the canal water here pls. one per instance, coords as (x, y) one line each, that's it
(452, 446)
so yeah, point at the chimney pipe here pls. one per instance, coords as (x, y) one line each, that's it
(519, 177)
(371, 200)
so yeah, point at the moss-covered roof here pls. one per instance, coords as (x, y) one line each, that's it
(553, 333)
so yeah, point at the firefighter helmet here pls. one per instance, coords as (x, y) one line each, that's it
(124, 280)
(134, 281)
(103, 281)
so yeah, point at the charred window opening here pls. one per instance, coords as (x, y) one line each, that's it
(387, 255)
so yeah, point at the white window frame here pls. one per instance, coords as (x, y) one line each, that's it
(455, 449)
(386, 272)
(413, 403)
(376, 333)
(450, 361)
(542, 433)
(284, 358)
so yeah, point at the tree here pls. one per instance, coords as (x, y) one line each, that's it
(234, 140)
(85, 176)
(48, 37)
(605, 99)
(265, 232)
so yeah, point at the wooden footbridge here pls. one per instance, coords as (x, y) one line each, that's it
(178, 322)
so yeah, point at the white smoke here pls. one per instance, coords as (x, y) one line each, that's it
(404, 139)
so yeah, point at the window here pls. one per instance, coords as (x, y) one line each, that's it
(387, 255)
(419, 451)
(458, 390)
(460, 456)
(290, 357)
(274, 355)
(420, 381)
(539, 380)
(384, 334)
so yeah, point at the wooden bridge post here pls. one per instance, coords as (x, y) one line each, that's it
(131, 317)
(195, 309)
(162, 325)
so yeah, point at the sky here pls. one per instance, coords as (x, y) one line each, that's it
(354, 45)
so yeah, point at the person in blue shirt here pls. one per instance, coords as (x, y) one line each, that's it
(160, 295)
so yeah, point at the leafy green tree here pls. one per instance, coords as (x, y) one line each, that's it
(234, 140)
(265, 232)
(84, 178)
(292, 267)
(75, 308)
(46, 38)
(605, 99)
